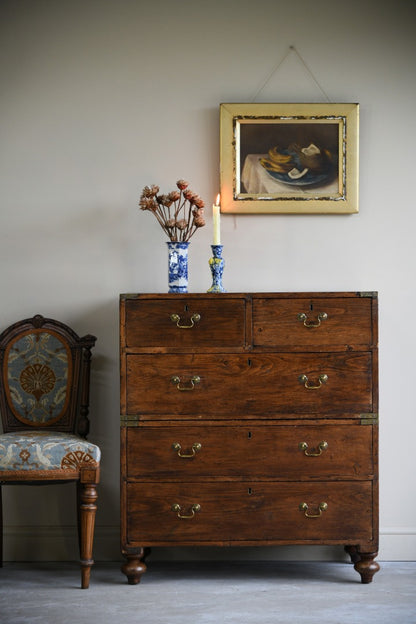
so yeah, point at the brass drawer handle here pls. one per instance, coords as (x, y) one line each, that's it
(303, 318)
(193, 381)
(322, 379)
(304, 507)
(194, 509)
(196, 447)
(322, 446)
(175, 318)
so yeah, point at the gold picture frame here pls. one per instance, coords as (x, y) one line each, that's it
(289, 158)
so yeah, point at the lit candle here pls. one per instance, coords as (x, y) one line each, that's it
(216, 221)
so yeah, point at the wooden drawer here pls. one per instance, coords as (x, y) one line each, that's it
(241, 386)
(249, 452)
(197, 323)
(339, 322)
(238, 512)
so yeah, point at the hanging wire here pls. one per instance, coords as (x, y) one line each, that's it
(291, 48)
(272, 73)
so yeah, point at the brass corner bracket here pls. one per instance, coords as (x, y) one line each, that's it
(369, 419)
(129, 421)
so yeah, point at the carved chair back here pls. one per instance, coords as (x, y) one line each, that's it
(45, 369)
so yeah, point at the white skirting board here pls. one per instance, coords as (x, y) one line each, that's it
(52, 543)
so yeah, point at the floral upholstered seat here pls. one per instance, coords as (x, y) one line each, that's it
(45, 452)
(44, 398)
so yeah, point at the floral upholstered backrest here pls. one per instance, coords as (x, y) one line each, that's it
(39, 370)
(44, 380)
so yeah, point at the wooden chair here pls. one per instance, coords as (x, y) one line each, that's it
(44, 397)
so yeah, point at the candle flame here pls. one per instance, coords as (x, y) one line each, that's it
(217, 201)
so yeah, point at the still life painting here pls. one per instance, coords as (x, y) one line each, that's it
(289, 158)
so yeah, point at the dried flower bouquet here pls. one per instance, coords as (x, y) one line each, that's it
(180, 213)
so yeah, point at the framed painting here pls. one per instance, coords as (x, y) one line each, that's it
(289, 158)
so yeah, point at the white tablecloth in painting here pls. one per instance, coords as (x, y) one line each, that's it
(256, 180)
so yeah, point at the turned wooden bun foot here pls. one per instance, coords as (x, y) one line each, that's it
(366, 566)
(133, 569)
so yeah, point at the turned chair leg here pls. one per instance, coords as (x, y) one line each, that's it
(87, 497)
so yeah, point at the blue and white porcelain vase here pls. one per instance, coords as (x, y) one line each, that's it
(216, 264)
(178, 266)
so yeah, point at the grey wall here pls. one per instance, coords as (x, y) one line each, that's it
(99, 98)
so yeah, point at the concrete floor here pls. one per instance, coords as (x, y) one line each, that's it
(208, 593)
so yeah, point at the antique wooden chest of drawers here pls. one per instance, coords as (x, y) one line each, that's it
(249, 419)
